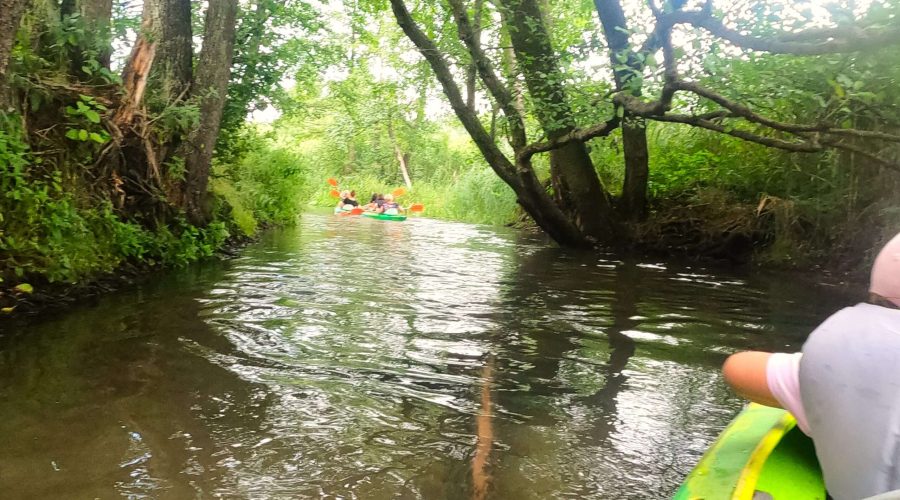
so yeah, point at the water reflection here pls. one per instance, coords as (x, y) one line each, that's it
(361, 359)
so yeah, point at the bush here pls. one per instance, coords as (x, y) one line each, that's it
(47, 232)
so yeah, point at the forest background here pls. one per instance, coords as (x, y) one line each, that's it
(151, 133)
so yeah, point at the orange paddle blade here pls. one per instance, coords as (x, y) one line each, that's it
(333, 182)
(398, 192)
(334, 193)
(356, 211)
(417, 207)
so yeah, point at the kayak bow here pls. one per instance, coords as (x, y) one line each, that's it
(761, 454)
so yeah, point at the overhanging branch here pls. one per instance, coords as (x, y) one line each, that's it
(811, 42)
(499, 91)
(577, 135)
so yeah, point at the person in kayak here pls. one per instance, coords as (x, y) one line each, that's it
(350, 199)
(341, 200)
(389, 206)
(843, 388)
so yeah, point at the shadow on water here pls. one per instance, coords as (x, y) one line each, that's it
(114, 401)
(361, 359)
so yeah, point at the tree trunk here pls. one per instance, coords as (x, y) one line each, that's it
(174, 53)
(402, 159)
(9, 25)
(210, 87)
(633, 205)
(508, 61)
(578, 189)
(471, 71)
(134, 76)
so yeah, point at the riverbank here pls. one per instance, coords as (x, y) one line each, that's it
(45, 297)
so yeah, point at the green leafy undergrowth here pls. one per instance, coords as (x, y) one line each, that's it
(50, 233)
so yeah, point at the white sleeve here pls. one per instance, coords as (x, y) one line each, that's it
(783, 379)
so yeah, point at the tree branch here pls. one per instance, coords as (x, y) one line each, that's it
(577, 135)
(808, 146)
(503, 96)
(816, 42)
(504, 168)
(744, 111)
(865, 154)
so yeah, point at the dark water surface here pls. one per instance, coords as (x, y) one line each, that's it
(369, 359)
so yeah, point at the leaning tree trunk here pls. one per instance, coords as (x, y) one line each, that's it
(12, 11)
(521, 178)
(577, 186)
(210, 88)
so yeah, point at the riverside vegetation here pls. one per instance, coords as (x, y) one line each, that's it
(742, 131)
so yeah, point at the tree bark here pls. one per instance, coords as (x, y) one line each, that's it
(577, 186)
(209, 88)
(9, 25)
(174, 53)
(472, 70)
(633, 204)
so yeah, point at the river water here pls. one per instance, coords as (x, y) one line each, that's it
(352, 358)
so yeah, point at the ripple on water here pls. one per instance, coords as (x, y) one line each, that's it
(352, 358)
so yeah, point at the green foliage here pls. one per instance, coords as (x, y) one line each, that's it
(85, 121)
(47, 232)
(262, 183)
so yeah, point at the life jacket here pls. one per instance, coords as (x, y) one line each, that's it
(850, 388)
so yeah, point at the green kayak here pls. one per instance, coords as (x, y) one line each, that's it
(761, 454)
(373, 215)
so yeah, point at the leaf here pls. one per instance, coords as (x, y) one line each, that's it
(82, 135)
(92, 116)
(99, 139)
(24, 288)
(839, 91)
(7, 310)
(72, 134)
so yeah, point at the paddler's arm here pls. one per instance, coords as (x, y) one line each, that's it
(745, 372)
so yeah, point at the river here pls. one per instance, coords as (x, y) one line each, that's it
(352, 358)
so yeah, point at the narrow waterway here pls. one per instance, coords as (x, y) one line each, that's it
(353, 358)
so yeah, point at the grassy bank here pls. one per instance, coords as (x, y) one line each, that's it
(58, 230)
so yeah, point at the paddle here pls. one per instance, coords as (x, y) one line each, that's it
(333, 182)
(417, 207)
(398, 192)
(334, 193)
